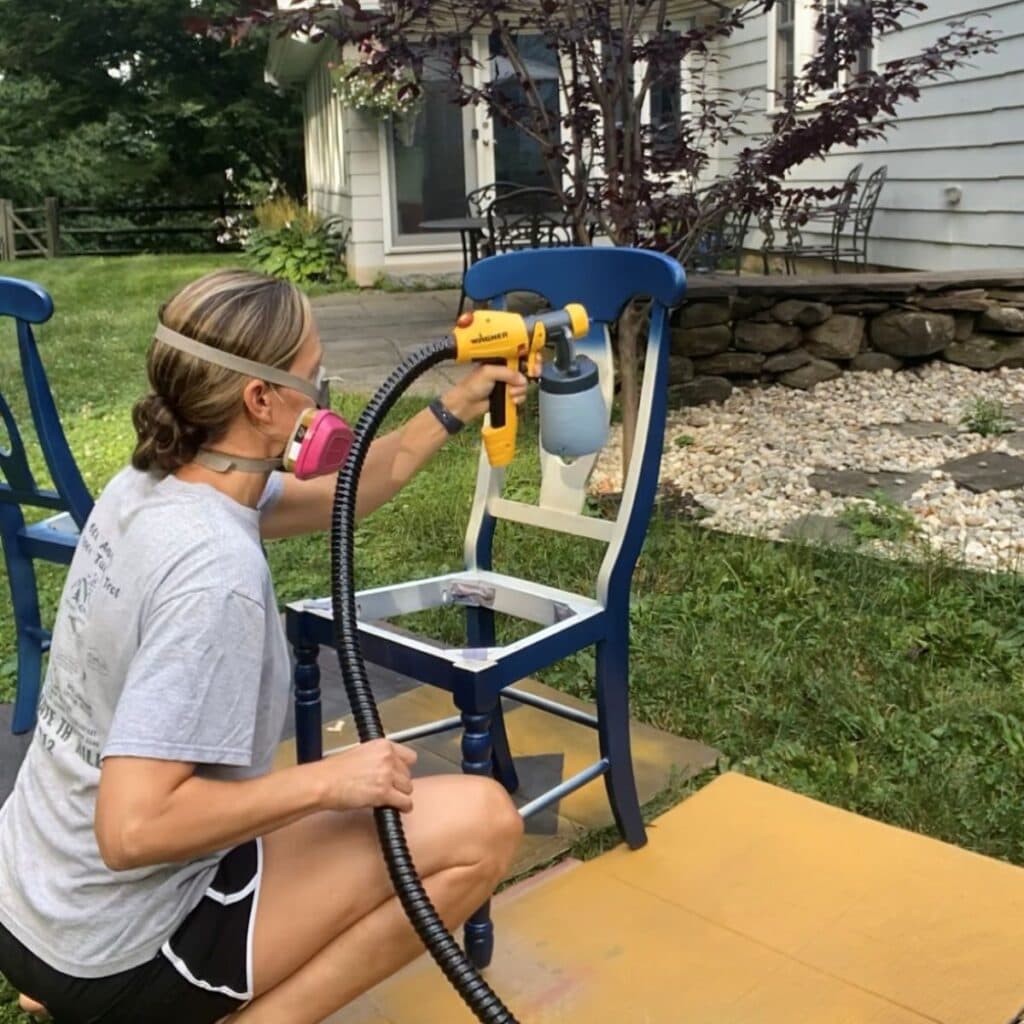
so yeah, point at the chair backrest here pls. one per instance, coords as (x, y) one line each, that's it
(527, 200)
(27, 304)
(845, 202)
(865, 210)
(511, 231)
(481, 198)
(604, 279)
(723, 239)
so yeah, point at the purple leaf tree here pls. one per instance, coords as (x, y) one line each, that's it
(647, 181)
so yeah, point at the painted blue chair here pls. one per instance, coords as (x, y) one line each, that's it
(604, 280)
(53, 538)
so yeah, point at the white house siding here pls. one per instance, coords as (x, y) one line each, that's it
(966, 131)
(343, 173)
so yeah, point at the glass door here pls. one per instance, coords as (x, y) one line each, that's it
(517, 156)
(431, 162)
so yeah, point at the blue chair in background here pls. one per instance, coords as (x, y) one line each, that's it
(479, 675)
(54, 537)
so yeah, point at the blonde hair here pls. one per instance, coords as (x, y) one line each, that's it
(192, 402)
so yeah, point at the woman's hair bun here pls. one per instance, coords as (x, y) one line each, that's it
(164, 442)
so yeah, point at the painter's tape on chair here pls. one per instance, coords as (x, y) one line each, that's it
(53, 538)
(481, 673)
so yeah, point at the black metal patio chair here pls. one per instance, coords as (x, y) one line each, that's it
(526, 219)
(794, 223)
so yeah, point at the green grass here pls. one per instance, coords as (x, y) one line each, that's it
(880, 518)
(891, 689)
(9, 1011)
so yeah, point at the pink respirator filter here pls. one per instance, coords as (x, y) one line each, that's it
(319, 444)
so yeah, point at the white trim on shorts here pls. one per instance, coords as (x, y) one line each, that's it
(252, 887)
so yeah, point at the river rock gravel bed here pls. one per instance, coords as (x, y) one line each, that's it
(784, 463)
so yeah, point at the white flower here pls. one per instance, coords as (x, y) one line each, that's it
(360, 90)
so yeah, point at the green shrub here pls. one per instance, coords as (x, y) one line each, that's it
(294, 243)
(986, 416)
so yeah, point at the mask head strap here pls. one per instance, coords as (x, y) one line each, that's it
(248, 367)
(222, 462)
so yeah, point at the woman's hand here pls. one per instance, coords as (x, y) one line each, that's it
(374, 774)
(470, 398)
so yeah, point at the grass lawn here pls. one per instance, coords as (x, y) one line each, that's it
(893, 690)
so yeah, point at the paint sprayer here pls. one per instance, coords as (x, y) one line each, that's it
(573, 422)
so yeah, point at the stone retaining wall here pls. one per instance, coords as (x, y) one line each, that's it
(799, 332)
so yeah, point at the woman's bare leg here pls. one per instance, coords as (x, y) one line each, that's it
(30, 1006)
(328, 926)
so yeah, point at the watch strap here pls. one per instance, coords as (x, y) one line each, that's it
(446, 417)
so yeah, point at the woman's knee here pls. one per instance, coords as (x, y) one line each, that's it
(493, 820)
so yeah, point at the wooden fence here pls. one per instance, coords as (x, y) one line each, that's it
(53, 230)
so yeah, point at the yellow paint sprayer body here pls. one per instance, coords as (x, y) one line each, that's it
(492, 336)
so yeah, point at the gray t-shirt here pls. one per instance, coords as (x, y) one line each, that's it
(167, 644)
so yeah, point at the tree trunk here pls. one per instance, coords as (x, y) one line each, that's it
(629, 379)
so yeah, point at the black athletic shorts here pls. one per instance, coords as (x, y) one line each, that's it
(202, 973)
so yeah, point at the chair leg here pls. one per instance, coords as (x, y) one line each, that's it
(476, 760)
(502, 763)
(480, 633)
(612, 680)
(29, 680)
(21, 576)
(308, 716)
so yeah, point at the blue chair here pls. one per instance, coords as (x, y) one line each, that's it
(53, 538)
(604, 280)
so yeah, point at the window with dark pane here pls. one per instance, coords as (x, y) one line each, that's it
(785, 48)
(667, 102)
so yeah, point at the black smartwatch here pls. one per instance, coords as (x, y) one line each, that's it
(445, 416)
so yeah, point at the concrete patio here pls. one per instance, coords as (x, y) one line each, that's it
(366, 334)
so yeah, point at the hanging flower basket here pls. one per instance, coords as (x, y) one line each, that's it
(359, 88)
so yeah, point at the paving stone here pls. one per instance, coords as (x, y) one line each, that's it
(800, 311)
(972, 300)
(987, 471)
(704, 314)
(728, 363)
(856, 483)
(982, 352)
(700, 391)
(839, 337)
(910, 334)
(701, 341)
(805, 377)
(964, 326)
(745, 306)
(680, 369)
(786, 361)
(1015, 440)
(820, 530)
(1002, 318)
(767, 337)
(873, 362)
(917, 428)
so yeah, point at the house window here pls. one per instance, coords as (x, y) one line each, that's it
(666, 104)
(785, 48)
(797, 38)
(518, 157)
(614, 50)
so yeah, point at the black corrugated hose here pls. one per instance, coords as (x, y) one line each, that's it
(457, 968)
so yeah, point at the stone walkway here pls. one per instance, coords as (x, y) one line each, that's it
(367, 334)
